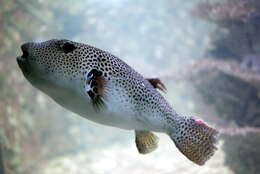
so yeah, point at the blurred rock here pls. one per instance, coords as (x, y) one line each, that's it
(232, 88)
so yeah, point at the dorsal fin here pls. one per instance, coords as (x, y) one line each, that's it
(156, 83)
(96, 84)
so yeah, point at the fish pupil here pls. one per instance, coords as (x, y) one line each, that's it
(68, 47)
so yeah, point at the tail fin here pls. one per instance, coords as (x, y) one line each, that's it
(195, 139)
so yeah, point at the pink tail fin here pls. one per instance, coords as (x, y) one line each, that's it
(195, 139)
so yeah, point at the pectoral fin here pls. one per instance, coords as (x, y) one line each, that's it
(95, 88)
(146, 141)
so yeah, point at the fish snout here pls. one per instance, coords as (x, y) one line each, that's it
(25, 52)
(25, 48)
(23, 60)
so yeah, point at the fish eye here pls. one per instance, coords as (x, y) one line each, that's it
(67, 47)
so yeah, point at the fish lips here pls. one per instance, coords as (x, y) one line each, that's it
(23, 59)
(23, 64)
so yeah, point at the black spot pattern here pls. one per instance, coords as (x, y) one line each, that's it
(195, 140)
(96, 90)
(86, 60)
(99, 71)
(91, 94)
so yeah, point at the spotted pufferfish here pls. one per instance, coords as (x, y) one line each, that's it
(100, 87)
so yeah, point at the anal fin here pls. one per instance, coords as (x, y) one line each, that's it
(146, 141)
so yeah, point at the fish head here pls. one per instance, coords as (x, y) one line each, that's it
(54, 64)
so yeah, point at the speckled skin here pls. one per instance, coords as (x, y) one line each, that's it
(131, 102)
(64, 70)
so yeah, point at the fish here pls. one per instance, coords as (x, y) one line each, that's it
(103, 88)
(251, 63)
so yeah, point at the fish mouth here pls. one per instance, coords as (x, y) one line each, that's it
(23, 59)
(23, 64)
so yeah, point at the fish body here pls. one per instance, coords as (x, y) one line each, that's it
(251, 63)
(101, 87)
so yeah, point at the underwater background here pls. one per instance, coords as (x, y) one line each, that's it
(207, 52)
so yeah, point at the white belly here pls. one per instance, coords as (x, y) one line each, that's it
(117, 112)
